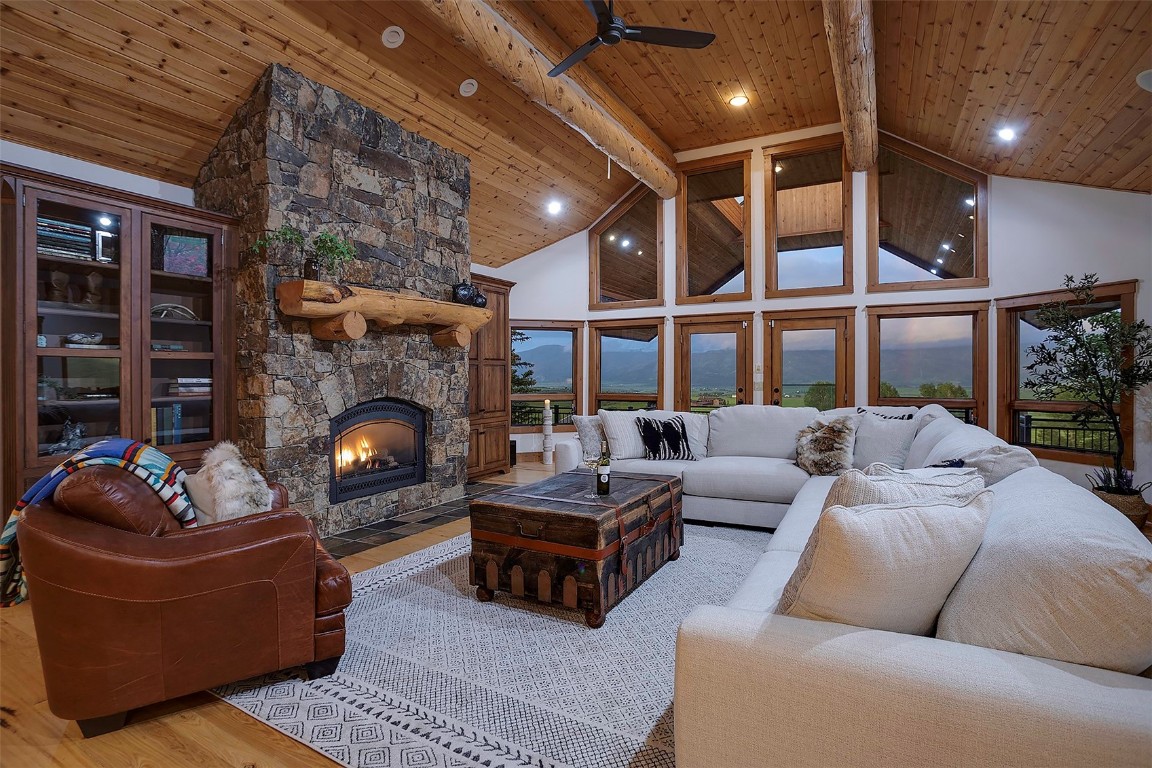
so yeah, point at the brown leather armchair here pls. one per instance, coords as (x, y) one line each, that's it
(131, 610)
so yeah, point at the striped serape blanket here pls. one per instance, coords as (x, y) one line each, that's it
(150, 465)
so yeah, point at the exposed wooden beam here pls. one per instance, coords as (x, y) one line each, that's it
(848, 25)
(487, 34)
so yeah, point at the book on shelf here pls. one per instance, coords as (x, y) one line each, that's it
(194, 380)
(73, 345)
(167, 347)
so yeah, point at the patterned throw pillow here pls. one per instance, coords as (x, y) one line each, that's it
(825, 447)
(665, 440)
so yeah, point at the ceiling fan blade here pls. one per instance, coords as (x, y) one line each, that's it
(599, 9)
(676, 38)
(576, 56)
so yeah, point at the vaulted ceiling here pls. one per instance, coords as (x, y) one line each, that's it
(148, 85)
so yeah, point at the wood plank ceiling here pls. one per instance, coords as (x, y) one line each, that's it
(148, 85)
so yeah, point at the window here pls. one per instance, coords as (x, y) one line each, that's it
(930, 353)
(546, 359)
(626, 253)
(810, 358)
(627, 360)
(808, 192)
(1045, 426)
(713, 354)
(927, 226)
(712, 224)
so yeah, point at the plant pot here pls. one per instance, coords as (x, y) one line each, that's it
(311, 269)
(1132, 506)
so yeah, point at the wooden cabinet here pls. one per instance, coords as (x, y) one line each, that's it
(119, 324)
(490, 385)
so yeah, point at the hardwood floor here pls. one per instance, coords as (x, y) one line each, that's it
(197, 730)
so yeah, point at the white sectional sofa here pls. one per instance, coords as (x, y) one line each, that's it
(1058, 570)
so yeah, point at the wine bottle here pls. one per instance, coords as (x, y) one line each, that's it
(603, 470)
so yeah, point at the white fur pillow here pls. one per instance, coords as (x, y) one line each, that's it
(227, 486)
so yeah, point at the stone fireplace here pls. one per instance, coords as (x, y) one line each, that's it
(376, 446)
(302, 154)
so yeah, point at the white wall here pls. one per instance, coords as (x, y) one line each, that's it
(1037, 233)
(50, 162)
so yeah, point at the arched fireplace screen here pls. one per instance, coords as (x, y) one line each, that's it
(377, 446)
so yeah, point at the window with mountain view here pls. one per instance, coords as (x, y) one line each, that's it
(628, 360)
(545, 366)
(930, 353)
(1047, 427)
(929, 230)
(712, 247)
(624, 253)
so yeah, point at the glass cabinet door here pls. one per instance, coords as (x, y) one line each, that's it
(183, 346)
(81, 299)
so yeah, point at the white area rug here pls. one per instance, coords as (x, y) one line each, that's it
(432, 677)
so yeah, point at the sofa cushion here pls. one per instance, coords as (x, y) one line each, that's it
(664, 439)
(695, 424)
(1060, 575)
(886, 566)
(757, 430)
(854, 488)
(824, 447)
(750, 478)
(591, 433)
(645, 467)
(620, 430)
(795, 529)
(762, 587)
(927, 436)
(993, 458)
(883, 439)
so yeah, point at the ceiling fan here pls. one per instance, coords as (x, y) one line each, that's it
(611, 29)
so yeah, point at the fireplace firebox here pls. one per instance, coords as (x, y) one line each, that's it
(377, 446)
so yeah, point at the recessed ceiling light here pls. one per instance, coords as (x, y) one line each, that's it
(469, 88)
(960, 234)
(945, 246)
(104, 220)
(392, 37)
(639, 253)
(554, 207)
(970, 202)
(738, 101)
(1144, 79)
(779, 167)
(1006, 134)
(611, 238)
(971, 217)
(625, 243)
(939, 261)
(933, 271)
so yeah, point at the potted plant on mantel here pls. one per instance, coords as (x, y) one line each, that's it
(326, 250)
(1097, 358)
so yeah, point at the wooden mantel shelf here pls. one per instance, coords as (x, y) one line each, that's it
(341, 312)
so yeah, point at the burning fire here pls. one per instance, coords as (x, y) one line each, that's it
(348, 457)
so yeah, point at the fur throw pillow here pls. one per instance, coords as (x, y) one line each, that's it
(825, 447)
(227, 486)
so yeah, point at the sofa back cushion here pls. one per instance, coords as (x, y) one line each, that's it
(757, 430)
(927, 436)
(885, 566)
(1060, 575)
(854, 488)
(993, 458)
(695, 424)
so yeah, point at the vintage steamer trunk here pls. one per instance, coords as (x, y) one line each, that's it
(549, 541)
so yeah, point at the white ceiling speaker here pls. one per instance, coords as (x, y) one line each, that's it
(392, 37)
(469, 88)
(1144, 79)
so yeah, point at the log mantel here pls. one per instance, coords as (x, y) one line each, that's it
(340, 312)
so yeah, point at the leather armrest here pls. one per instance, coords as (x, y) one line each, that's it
(279, 496)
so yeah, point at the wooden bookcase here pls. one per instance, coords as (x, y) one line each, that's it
(490, 385)
(152, 280)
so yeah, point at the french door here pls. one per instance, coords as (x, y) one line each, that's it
(713, 362)
(809, 359)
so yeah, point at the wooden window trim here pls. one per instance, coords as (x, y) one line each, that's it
(979, 312)
(683, 370)
(783, 152)
(577, 329)
(980, 231)
(846, 362)
(1007, 379)
(594, 329)
(602, 224)
(682, 173)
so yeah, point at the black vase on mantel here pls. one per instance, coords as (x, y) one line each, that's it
(464, 293)
(480, 300)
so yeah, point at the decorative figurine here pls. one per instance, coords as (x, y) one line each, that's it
(57, 286)
(480, 300)
(464, 293)
(93, 295)
(71, 437)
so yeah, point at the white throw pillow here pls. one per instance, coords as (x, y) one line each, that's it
(767, 431)
(884, 440)
(591, 433)
(695, 424)
(227, 486)
(978, 448)
(1060, 575)
(854, 488)
(623, 437)
(886, 566)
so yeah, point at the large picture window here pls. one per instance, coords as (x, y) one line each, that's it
(927, 221)
(546, 359)
(930, 353)
(627, 361)
(808, 193)
(626, 253)
(712, 224)
(1045, 426)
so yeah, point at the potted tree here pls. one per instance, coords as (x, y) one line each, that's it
(1097, 358)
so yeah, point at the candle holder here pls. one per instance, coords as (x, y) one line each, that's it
(548, 446)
